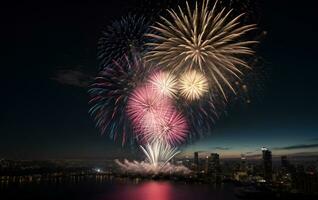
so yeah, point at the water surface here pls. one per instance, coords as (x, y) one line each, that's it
(119, 189)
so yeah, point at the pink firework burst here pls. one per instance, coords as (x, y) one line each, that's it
(142, 101)
(166, 125)
(155, 118)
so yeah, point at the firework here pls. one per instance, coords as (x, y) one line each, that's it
(158, 153)
(204, 40)
(193, 85)
(167, 125)
(165, 83)
(154, 117)
(123, 37)
(201, 116)
(146, 168)
(109, 94)
(144, 100)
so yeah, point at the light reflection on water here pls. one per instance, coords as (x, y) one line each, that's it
(145, 191)
(153, 190)
(111, 188)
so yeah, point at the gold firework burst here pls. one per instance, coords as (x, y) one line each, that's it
(193, 85)
(202, 39)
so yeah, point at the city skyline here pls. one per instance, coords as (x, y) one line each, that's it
(160, 100)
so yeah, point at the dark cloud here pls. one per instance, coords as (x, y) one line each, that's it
(74, 77)
(300, 146)
(305, 154)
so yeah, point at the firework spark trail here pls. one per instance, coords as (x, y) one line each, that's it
(167, 125)
(154, 117)
(143, 100)
(123, 37)
(145, 168)
(202, 39)
(201, 120)
(165, 83)
(109, 94)
(158, 154)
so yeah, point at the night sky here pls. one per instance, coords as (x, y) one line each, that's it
(44, 112)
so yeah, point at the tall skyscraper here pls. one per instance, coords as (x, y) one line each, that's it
(284, 162)
(243, 166)
(267, 164)
(214, 163)
(206, 164)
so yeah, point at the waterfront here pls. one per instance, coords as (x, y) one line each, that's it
(210, 178)
(105, 188)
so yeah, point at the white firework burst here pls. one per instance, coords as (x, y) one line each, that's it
(158, 153)
(165, 83)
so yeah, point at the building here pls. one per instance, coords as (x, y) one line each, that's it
(196, 160)
(214, 163)
(241, 176)
(214, 169)
(206, 165)
(267, 164)
(284, 162)
(243, 167)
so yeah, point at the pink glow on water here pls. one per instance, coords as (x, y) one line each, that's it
(146, 191)
(155, 191)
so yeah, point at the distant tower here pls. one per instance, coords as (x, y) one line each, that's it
(214, 164)
(267, 164)
(206, 164)
(284, 162)
(243, 163)
(196, 160)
